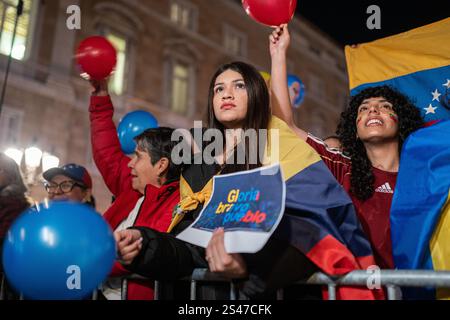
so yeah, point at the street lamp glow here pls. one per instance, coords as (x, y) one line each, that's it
(49, 161)
(15, 154)
(18, 51)
(33, 157)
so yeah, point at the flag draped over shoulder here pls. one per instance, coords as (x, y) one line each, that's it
(420, 212)
(416, 62)
(320, 219)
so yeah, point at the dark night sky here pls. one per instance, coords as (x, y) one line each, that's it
(345, 21)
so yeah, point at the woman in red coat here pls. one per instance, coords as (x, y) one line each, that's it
(146, 187)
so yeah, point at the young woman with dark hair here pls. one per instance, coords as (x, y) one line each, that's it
(224, 114)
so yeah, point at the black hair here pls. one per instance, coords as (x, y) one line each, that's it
(409, 120)
(15, 186)
(258, 112)
(91, 202)
(157, 142)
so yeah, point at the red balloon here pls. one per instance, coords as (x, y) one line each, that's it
(270, 12)
(97, 57)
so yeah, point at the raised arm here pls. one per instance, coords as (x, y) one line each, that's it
(281, 103)
(108, 156)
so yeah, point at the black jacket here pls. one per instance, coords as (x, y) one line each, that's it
(165, 258)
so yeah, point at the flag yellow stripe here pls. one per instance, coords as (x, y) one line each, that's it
(423, 48)
(294, 154)
(440, 248)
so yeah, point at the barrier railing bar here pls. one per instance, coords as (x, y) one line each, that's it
(156, 290)
(393, 292)
(123, 291)
(331, 291)
(280, 294)
(401, 278)
(3, 287)
(193, 289)
(232, 291)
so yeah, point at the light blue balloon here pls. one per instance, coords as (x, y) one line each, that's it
(59, 253)
(293, 79)
(132, 125)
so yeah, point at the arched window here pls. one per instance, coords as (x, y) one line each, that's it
(180, 69)
(121, 27)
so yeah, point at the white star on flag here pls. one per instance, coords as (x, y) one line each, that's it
(430, 109)
(436, 95)
(447, 84)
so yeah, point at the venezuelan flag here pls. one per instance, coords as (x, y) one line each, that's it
(420, 212)
(320, 219)
(417, 63)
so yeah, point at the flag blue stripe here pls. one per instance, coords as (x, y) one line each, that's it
(422, 189)
(419, 87)
(324, 209)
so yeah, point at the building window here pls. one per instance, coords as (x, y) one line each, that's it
(183, 14)
(10, 127)
(117, 81)
(235, 42)
(23, 34)
(179, 100)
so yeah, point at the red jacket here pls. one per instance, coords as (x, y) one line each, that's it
(156, 209)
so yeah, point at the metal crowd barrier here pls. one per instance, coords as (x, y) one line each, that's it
(393, 280)
(198, 275)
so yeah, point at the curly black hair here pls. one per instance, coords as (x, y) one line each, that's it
(409, 120)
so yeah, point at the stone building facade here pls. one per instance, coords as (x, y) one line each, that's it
(168, 50)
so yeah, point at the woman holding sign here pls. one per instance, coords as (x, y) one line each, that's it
(239, 100)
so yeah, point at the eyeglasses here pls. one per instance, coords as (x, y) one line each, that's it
(64, 187)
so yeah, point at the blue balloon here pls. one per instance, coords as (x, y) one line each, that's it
(58, 253)
(293, 79)
(132, 125)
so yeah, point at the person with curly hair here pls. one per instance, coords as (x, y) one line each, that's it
(372, 131)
